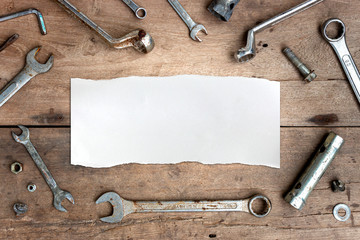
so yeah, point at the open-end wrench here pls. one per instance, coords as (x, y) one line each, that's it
(31, 69)
(123, 207)
(140, 12)
(342, 51)
(138, 39)
(193, 26)
(59, 194)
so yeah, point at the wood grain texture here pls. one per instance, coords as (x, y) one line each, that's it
(308, 112)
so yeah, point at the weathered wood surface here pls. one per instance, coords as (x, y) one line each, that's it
(308, 111)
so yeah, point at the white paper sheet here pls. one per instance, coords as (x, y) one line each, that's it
(174, 119)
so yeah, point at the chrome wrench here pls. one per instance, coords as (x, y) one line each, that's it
(140, 12)
(31, 69)
(347, 62)
(193, 26)
(248, 52)
(59, 194)
(123, 207)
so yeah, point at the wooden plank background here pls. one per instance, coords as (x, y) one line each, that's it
(308, 112)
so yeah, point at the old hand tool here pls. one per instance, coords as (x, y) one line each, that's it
(9, 41)
(123, 207)
(38, 14)
(31, 69)
(138, 39)
(222, 9)
(314, 171)
(249, 52)
(59, 194)
(140, 12)
(347, 62)
(193, 26)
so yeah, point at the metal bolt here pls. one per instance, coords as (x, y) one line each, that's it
(337, 186)
(303, 69)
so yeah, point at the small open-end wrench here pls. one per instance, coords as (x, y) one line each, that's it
(140, 12)
(193, 26)
(123, 207)
(59, 194)
(342, 51)
(31, 69)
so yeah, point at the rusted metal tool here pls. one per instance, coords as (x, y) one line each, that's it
(140, 12)
(123, 207)
(138, 39)
(38, 14)
(9, 41)
(59, 194)
(31, 69)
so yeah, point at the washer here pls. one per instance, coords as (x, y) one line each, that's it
(344, 207)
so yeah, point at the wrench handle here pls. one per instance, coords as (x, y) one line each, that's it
(182, 13)
(191, 206)
(41, 166)
(348, 64)
(16, 84)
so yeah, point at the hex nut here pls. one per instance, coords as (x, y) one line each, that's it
(31, 187)
(20, 208)
(337, 186)
(16, 167)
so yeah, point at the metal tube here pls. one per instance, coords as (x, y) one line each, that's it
(315, 170)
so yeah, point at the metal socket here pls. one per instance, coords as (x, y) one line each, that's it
(314, 171)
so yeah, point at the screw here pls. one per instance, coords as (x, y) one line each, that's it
(305, 72)
(337, 186)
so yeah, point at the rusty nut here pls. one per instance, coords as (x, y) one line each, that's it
(16, 167)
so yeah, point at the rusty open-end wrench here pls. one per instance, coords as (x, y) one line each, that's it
(31, 69)
(123, 207)
(59, 194)
(138, 39)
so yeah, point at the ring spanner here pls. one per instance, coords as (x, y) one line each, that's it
(138, 39)
(347, 62)
(123, 207)
(31, 69)
(59, 194)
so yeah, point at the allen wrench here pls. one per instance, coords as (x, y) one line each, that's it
(38, 14)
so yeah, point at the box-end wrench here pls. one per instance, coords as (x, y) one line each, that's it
(59, 194)
(193, 26)
(247, 53)
(347, 62)
(31, 69)
(138, 39)
(123, 207)
(140, 12)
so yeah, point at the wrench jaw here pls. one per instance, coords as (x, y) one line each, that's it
(59, 197)
(138, 39)
(35, 65)
(24, 137)
(117, 203)
(195, 30)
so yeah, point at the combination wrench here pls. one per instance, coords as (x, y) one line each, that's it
(31, 69)
(123, 207)
(347, 62)
(193, 26)
(140, 12)
(59, 194)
